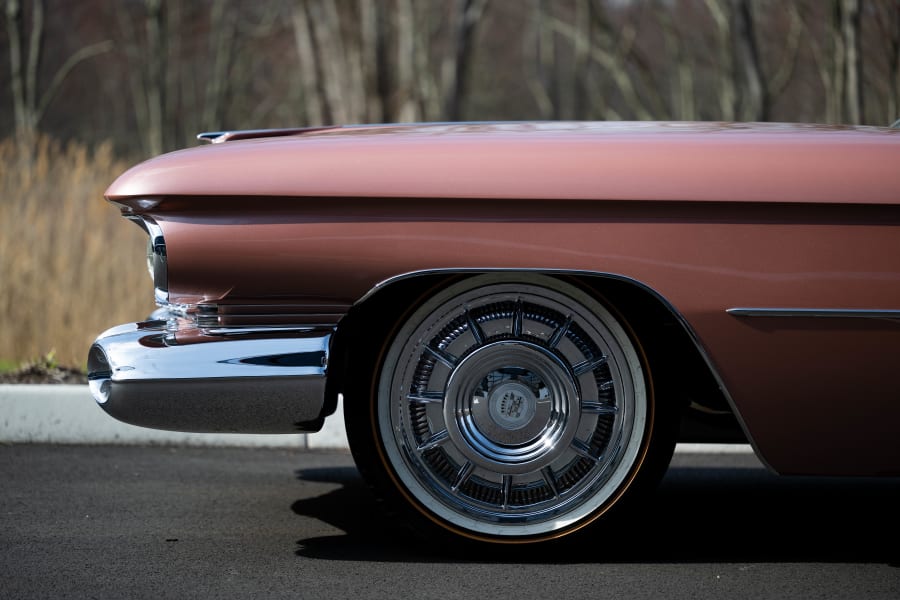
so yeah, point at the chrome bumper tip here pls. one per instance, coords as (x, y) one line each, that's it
(142, 374)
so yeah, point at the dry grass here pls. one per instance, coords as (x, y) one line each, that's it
(70, 266)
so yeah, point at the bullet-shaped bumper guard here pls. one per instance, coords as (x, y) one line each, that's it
(251, 383)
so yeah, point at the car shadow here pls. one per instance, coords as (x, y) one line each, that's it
(698, 514)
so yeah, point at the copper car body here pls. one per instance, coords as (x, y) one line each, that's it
(773, 248)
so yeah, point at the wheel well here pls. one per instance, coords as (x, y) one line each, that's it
(680, 373)
(362, 333)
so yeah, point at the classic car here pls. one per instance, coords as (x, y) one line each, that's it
(523, 319)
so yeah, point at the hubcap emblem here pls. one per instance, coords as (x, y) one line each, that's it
(511, 405)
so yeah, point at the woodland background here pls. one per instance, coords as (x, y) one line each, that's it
(88, 87)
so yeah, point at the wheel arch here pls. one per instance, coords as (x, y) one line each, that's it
(681, 371)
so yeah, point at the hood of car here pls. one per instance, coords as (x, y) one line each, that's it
(756, 162)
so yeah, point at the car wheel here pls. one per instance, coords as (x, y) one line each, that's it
(507, 408)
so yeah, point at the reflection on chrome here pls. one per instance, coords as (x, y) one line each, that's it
(157, 262)
(140, 374)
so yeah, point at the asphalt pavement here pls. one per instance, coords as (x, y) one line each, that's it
(166, 522)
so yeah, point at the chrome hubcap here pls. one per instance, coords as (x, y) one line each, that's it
(511, 408)
(507, 405)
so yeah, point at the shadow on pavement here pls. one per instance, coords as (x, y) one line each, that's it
(698, 514)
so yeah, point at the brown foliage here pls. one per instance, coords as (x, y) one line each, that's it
(70, 267)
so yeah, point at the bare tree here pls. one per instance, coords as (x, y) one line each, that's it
(721, 12)
(316, 111)
(221, 50)
(838, 61)
(406, 96)
(747, 86)
(376, 61)
(889, 24)
(613, 52)
(584, 93)
(374, 55)
(851, 40)
(681, 86)
(432, 78)
(333, 67)
(26, 49)
(541, 41)
(468, 15)
(144, 45)
(782, 74)
(215, 64)
(755, 102)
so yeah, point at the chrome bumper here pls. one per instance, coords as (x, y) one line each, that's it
(251, 382)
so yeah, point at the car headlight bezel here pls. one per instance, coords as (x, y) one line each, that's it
(157, 264)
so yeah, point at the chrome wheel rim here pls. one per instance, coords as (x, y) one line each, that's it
(512, 407)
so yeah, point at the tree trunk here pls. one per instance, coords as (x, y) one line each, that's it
(726, 93)
(893, 102)
(469, 13)
(14, 26)
(373, 59)
(850, 35)
(153, 25)
(315, 109)
(755, 106)
(221, 45)
(405, 95)
(30, 102)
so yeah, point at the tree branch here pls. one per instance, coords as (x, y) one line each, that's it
(61, 74)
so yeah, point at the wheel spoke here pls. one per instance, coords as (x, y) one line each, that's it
(588, 366)
(475, 329)
(598, 408)
(518, 317)
(550, 479)
(434, 441)
(462, 475)
(584, 450)
(443, 356)
(506, 488)
(560, 332)
(426, 398)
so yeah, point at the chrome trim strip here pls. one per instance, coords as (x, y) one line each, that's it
(284, 321)
(218, 137)
(140, 375)
(230, 316)
(211, 136)
(839, 313)
(226, 331)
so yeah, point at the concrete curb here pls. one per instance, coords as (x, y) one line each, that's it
(67, 414)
